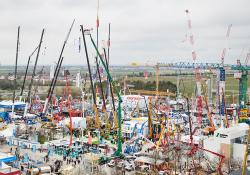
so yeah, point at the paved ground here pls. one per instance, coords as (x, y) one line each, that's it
(78, 168)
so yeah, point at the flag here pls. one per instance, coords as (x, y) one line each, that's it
(89, 139)
(79, 45)
(66, 72)
(101, 70)
(108, 43)
(97, 22)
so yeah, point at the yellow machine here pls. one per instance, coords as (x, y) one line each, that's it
(156, 93)
(161, 135)
(246, 153)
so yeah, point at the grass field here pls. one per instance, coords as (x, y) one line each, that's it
(187, 84)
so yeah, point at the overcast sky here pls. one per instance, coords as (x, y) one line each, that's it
(143, 31)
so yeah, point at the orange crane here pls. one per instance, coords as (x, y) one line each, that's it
(246, 153)
(209, 129)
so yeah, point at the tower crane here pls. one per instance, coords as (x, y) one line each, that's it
(221, 77)
(243, 81)
(197, 71)
(242, 76)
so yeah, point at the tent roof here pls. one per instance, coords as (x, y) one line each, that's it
(9, 104)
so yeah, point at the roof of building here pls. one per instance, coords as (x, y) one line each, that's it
(236, 131)
(9, 104)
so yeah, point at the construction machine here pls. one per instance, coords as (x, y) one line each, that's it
(209, 129)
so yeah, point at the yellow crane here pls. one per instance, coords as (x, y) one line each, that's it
(246, 153)
(211, 128)
(150, 122)
(163, 125)
(157, 74)
(156, 93)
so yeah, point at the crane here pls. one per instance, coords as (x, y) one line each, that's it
(242, 75)
(157, 74)
(66, 73)
(195, 148)
(110, 86)
(91, 80)
(58, 66)
(197, 72)
(150, 122)
(163, 125)
(119, 142)
(209, 129)
(221, 77)
(221, 159)
(246, 153)
(156, 93)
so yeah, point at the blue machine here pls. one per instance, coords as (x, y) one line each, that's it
(222, 79)
(5, 116)
(132, 148)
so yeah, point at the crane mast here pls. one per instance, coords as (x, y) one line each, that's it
(221, 77)
(197, 71)
(119, 142)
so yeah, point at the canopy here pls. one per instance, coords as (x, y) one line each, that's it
(7, 157)
(9, 104)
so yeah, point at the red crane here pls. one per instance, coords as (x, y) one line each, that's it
(197, 72)
(68, 104)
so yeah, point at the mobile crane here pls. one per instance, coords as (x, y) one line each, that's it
(119, 142)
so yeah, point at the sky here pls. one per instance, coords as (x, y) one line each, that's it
(142, 31)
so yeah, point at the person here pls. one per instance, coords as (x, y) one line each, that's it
(10, 149)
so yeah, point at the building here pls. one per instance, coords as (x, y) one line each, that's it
(229, 142)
